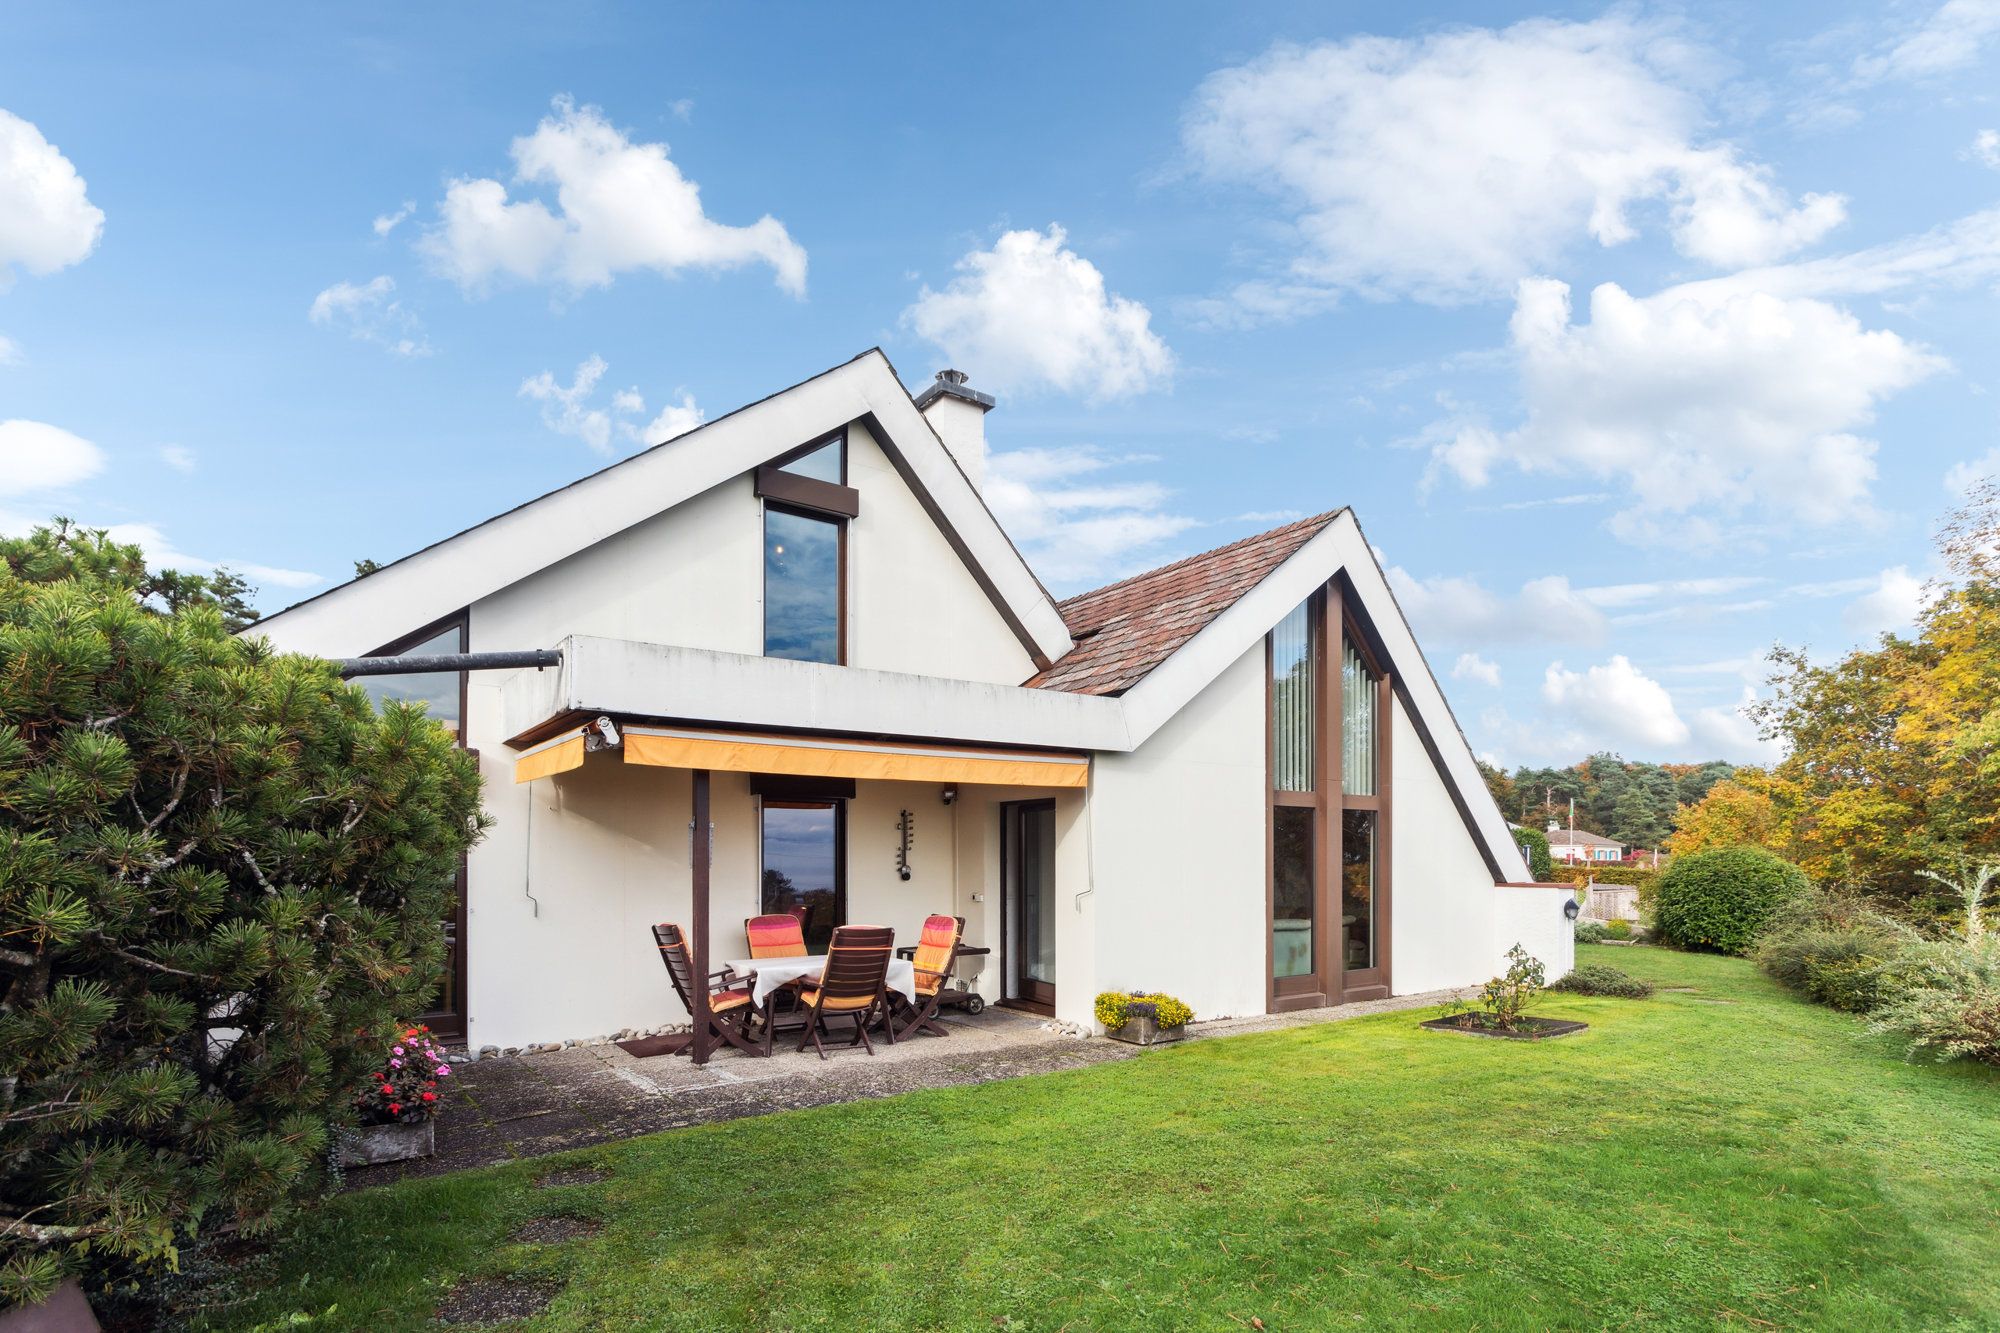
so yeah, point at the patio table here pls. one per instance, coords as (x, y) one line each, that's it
(773, 973)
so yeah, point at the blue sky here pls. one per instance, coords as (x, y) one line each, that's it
(1639, 338)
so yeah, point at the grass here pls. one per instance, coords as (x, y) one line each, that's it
(1715, 1157)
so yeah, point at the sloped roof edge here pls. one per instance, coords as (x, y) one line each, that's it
(447, 575)
(1339, 547)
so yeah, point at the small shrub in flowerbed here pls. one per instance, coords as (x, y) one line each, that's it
(1720, 900)
(1596, 979)
(1591, 932)
(1116, 1008)
(1503, 1004)
(403, 1089)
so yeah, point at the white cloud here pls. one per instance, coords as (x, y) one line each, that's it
(10, 351)
(1961, 253)
(565, 410)
(47, 221)
(1471, 666)
(35, 457)
(371, 313)
(1448, 167)
(620, 206)
(1892, 603)
(1948, 39)
(1031, 313)
(674, 419)
(1985, 148)
(1616, 702)
(161, 553)
(1073, 526)
(1462, 610)
(388, 222)
(178, 457)
(572, 410)
(1704, 399)
(1726, 731)
(1962, 477)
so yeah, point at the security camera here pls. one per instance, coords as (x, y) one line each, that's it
(948, 795)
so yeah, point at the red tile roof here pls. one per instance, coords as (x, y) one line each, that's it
(1126, 629)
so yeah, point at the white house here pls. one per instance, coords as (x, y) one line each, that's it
(1234, 778)
(1580, 848)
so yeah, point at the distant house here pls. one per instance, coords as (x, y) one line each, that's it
(1578, 847)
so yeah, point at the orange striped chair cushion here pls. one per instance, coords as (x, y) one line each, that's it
(811, 1000)
(777, 936)
(933, 954)
(728, 999)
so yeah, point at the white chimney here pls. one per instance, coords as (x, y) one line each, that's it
(958, 415)
(1554, 827)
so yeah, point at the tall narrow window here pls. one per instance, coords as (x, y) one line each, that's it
(1357, 889)
(801, 847)
(1292, 891)
(802, 592)
(1294, 702)
(1357, 725)
(824, 462)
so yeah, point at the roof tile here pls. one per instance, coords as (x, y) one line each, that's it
(1124, 630)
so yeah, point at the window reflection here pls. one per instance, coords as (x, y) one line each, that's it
(826, 463)
(1357, 888)
(801, 587)
(1291, 890)
(801, 851)
(438, 691)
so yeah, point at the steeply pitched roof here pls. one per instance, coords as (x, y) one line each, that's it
(1124, 630)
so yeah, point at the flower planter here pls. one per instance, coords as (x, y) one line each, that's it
(65, 1311)
(1524, 1029)
(1145, 1030)
(376, 1144)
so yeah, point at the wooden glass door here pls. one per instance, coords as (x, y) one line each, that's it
(1028, 886)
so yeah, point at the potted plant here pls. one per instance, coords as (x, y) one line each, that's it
(1142, 1019)
(398, 1105)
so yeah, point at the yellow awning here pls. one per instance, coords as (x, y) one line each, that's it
(558, 755)
(803, 756)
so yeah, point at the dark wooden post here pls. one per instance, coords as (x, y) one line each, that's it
(698, 860)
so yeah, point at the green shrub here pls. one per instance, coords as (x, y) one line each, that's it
(1535, 844)
(1830, 947)
(1618, 928)
(1508, 995)
(221, 871)
(1719, 900)
(1596, 979)
(1114, 1008)
(1590, 932)
(1943, 998)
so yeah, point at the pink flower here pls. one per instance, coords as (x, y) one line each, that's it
(397, 1051)
(444, 1071)
(395, 1064)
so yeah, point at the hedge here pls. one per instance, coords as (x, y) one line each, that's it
(1719, 900)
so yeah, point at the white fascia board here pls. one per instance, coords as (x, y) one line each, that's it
(626, 678)
(356, 617)
(1339, 546)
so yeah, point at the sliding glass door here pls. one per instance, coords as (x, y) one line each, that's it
(1028, 883)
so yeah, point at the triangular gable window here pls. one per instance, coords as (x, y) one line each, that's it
(826, 461)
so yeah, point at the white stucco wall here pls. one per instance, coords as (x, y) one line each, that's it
(1177, 831)
(1532, 917)
(1440, 933)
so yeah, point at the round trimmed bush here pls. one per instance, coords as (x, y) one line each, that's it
(1719, 900)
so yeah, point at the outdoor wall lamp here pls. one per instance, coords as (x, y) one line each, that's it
(1570, 908)
(948, 795)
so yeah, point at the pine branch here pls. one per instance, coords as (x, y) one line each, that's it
(173, 800)
(13, 1228)
(142, 961)
(258, 872)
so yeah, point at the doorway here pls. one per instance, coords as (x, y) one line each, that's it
(1028, 908)
(804, 854)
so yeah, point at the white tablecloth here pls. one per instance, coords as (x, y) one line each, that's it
(775, 972)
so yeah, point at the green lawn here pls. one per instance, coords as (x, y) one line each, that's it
(1726, 1156)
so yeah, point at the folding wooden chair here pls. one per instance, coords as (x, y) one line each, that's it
(732, 1009)
(851, 985)
(937, 951)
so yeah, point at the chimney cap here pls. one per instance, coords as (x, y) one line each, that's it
(951, 384)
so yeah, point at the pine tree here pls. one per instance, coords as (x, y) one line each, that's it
(220, 871)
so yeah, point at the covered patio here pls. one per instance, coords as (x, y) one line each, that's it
(831, 829)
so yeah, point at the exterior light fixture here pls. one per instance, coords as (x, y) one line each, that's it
(1570, 908)
(948, 795)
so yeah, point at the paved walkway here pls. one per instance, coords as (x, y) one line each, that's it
(500, 1109)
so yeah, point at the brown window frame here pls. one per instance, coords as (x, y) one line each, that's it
(839, 805)
(840, 601)
(1334, 625)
